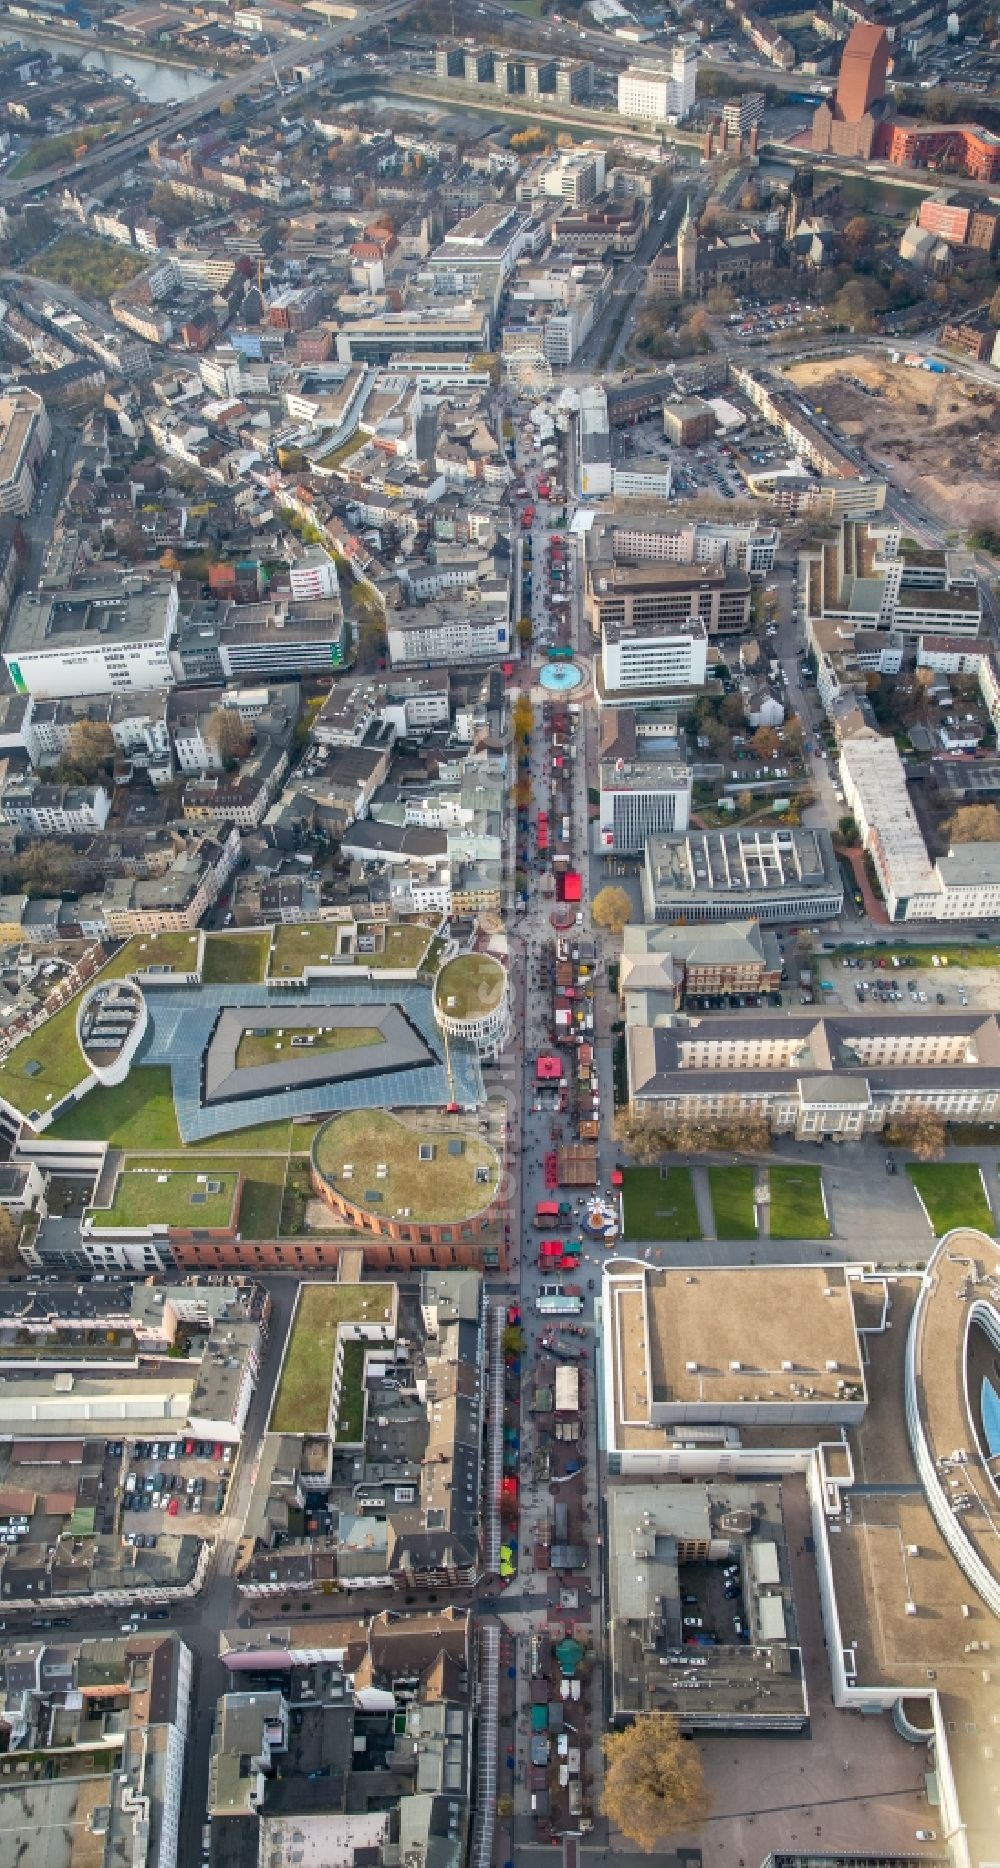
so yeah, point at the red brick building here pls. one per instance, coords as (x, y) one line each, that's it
(961, 222)
(962, 147)
(847, 123)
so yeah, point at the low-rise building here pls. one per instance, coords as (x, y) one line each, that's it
(770, 875)
(701, 967)
(810, 1075)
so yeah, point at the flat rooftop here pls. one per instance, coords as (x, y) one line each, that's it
(302, 1401)
(470, 986)
(964, 1270)
(92, 616)
(698, 1323)
(889, 1552)
(434, 1171)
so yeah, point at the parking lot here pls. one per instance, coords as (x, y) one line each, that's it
(856, 980)
(708, 470)
(172, 1485)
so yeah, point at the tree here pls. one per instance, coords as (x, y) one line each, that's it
(170, 561)
(857, 232)
(525, 629)
(90, 750)
(975, 823)
(851, 306)
(611, 908)
(228, 734)
(10, 1234)
(720, 301)
(522, 719)
(641, 1135)
(922, 1131)
(765, 742)
(653, 1781)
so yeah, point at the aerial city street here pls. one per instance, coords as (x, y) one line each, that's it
(499, 934)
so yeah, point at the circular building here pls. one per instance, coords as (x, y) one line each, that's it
(472, 1003)
(953, 1403)
(425, 1181)
(111, 1023)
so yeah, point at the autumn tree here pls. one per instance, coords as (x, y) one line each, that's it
(720, 301)
(975, 823)
(851, 306)
(228, 735)
(612, 909)
(765, 742)
(641, 1135)
(857, 232)
(90, 749)
(653, 1781)
(525, 629)
(522, 719)
(922, 1131)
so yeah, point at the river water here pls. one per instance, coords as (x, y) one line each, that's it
(162, 84)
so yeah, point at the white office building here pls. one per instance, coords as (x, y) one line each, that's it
(314, 577)
(634, 657)
(654, 94)
(92, 639)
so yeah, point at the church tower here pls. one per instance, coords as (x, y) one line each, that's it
(687, 255)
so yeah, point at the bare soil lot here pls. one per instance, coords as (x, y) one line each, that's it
(938, 436)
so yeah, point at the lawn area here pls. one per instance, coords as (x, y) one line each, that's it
(148, 1194)
(441, 1186)
(952, 1193)
(732, 1191)
(405, 945)
(94, 268)
(302, 1403)
(174, 953)
(235, 959)
(314, 943)
(975, 953)
(796, 1209)
(260, 1208)
(658, 1207)
(46, 1065)
(470, 985)
(351, 1406)
(255, 1049)
(138, 1115)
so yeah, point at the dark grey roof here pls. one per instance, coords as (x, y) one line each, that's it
(655, 1069)
(372, 840)
(401, 1048)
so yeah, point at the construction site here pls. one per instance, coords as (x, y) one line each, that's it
(936, 435)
